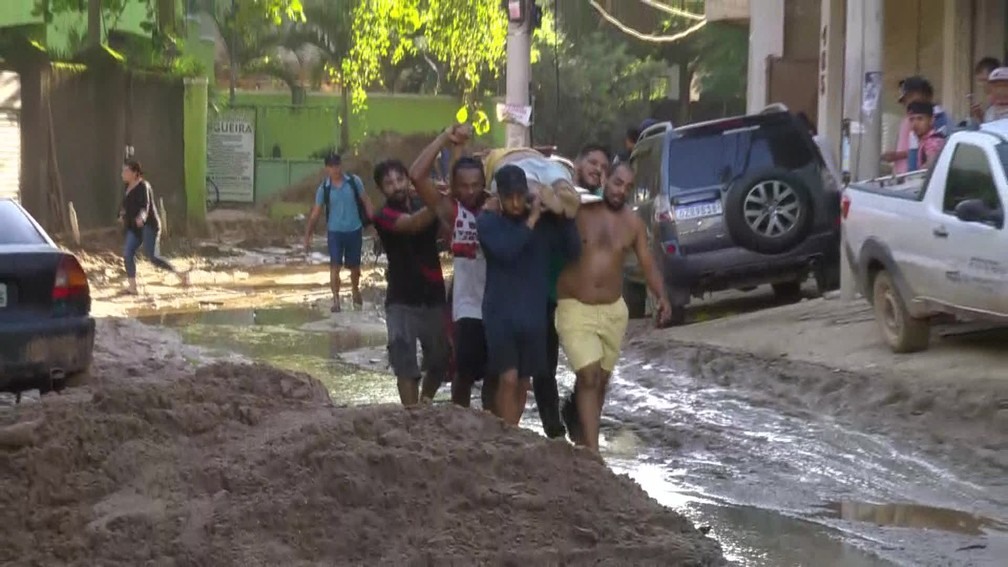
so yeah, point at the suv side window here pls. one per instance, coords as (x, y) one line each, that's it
(970, 177)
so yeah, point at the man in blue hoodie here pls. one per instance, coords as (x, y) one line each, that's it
(518, 243)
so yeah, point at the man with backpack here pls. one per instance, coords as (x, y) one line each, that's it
(348, 210)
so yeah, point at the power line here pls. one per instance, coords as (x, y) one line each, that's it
(644, 36)
(672, 11)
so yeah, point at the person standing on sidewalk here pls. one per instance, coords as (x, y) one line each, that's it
(347, 210)
(141, 224)
(459, 210)
(415, 301)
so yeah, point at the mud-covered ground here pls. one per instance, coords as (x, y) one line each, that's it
(826, 356)
(157, 462)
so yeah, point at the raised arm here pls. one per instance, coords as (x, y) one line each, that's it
(420, 175)
(501, 238)
(410, 223)
(651, 274)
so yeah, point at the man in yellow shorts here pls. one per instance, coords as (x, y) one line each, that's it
(591, 317)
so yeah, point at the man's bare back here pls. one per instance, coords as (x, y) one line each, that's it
(606, 237)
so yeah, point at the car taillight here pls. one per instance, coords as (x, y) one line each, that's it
(844, 207)
(663, 210)
(71, 282)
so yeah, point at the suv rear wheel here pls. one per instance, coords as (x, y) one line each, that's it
(769, 212)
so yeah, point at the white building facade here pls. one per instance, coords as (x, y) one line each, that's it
(817, 56)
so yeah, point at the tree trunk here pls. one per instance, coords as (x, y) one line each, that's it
(94, 23)
(344, 116)
(685, 90)
(166, 16)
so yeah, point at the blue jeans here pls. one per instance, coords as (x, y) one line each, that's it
(149, 242)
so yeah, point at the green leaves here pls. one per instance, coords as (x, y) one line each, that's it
(480, 122)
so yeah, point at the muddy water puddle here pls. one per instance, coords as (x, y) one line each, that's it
(781, 489)
(774, 489)
(296, 338)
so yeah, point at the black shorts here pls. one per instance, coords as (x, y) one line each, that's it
(406, 326)
(511, 347)
(470, 349)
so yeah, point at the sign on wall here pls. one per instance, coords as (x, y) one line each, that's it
(231, 154)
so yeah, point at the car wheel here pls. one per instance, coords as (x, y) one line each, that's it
(770, 212)
(789, 292)
(902, 332)
(635, 296)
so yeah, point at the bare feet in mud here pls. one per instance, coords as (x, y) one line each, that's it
(358, 299)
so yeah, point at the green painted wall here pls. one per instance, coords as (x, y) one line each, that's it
(195, 139)
(65, 26)
(303, 130)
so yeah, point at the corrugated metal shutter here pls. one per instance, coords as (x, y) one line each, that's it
(10, 135)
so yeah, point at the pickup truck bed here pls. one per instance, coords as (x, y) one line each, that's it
(933, 242)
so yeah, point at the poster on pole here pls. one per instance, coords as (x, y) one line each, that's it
(231, 154)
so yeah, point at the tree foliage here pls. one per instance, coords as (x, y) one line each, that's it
(602, 89)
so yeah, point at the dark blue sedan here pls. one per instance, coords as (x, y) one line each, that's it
(46, 328)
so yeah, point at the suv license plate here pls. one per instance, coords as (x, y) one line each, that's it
(3, 295)
(699, 210)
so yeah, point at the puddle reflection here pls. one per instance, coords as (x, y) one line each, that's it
(914, 516)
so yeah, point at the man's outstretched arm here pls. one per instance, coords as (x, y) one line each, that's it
(410, 223)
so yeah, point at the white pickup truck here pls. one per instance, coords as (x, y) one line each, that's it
(934, 242)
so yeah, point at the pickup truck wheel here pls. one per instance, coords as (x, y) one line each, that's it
(770, 212)
(903, 333)
(635, 296)
(788, 292)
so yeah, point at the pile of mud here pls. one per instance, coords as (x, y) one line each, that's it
(249, 465)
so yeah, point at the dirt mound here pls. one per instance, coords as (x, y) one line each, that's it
(249, 465)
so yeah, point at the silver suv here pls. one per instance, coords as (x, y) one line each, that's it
(734, 204)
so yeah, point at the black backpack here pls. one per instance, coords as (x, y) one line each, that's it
(357, 191)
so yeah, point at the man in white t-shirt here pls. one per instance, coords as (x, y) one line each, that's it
(459, 210)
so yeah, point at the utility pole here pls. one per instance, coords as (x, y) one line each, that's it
(519, 67)
(862, 103)
(94, 23)
(231, 52)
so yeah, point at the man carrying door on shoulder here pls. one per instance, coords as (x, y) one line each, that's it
(591, 317)
(347, 210)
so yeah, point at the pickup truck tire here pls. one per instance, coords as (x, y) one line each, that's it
(903, 333)
(769, 212)
(635, 297)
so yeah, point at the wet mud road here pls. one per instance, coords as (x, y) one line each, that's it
(776, 487)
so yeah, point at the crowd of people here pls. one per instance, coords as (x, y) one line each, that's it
(531, 273)
(926, 125)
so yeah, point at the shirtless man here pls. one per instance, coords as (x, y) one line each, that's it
(591, 317)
